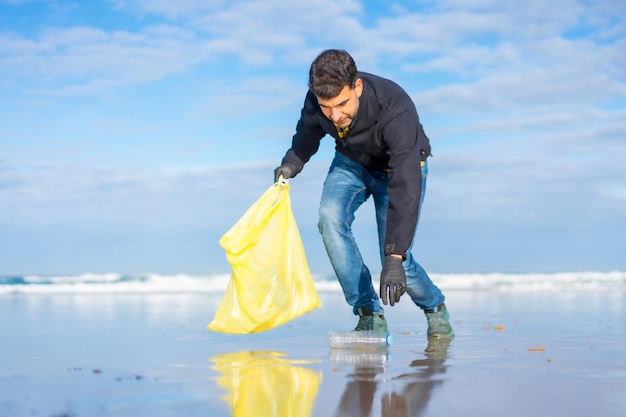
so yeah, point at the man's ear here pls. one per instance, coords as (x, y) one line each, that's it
(358, 86)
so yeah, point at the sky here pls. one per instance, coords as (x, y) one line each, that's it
(135, 133)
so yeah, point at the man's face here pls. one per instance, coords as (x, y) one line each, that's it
(342, 109)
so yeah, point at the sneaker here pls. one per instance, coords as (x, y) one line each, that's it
(439, 322)
(375, 322)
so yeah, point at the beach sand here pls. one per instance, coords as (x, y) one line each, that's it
(518, 353)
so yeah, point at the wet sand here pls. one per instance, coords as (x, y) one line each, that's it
(522, 353)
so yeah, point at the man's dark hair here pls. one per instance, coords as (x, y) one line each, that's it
(330, 72)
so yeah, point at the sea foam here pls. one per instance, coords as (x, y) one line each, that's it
(177, 283)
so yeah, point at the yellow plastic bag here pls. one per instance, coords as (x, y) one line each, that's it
(271, 282)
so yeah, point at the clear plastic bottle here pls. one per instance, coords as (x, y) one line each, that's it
(364, 339)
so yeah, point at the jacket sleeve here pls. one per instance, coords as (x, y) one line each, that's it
(402, 137)
(309, 132)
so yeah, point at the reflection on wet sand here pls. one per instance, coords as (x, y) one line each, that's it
(266, 384)
(358, 396)
(410, 401)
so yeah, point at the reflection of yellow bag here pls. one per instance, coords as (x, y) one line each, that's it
(264, 384)
(271, 282)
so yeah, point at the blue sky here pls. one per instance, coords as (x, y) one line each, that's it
(134, 133)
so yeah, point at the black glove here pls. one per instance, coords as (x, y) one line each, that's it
(287, 170)
(392, 280)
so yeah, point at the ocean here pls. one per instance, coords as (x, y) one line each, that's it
(181, 283)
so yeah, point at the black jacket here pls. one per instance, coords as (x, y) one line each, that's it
(386, 134)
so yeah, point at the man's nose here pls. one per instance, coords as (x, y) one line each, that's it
(335, 115)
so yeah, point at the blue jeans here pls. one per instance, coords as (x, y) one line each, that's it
(347, 186)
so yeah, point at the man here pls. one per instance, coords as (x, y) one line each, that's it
(381, 151)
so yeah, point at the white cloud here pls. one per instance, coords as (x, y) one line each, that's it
(168, 9)
(551, 88)
(455, 38)
(84, 59)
